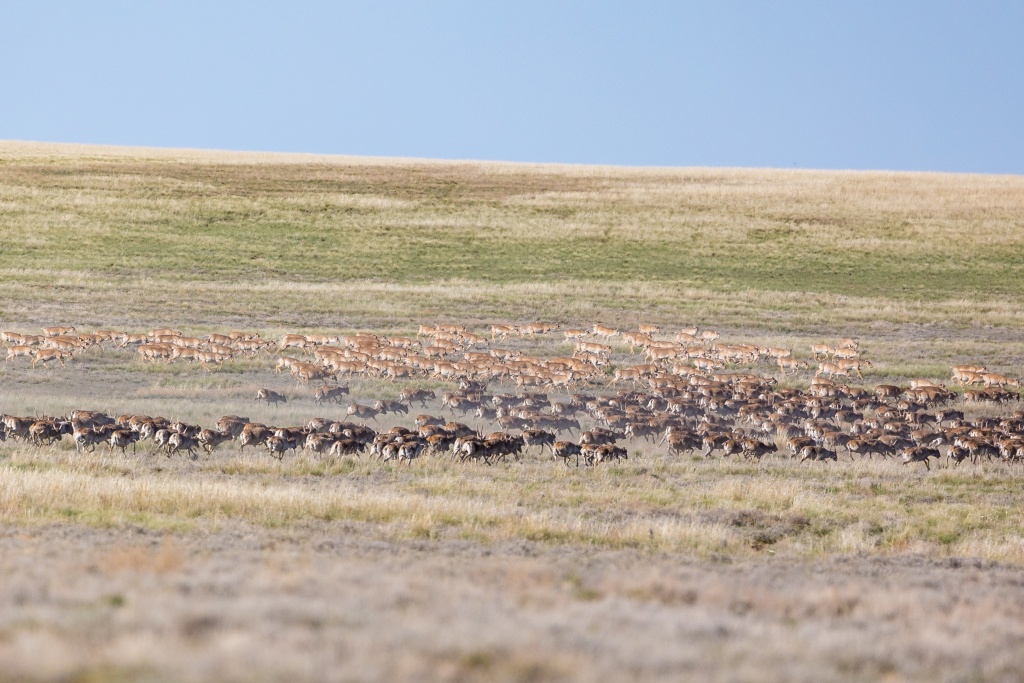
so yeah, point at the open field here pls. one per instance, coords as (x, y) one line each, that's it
(332, 602)
(218, 238)
(240, 567)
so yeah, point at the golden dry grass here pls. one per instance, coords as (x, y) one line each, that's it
(655, 503)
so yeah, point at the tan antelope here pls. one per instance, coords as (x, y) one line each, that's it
(786, 364)
(94, 339)
(16, 351)
(822, 350)
(657, 353)
(394, 355)
(361, 340)
(440, 336)
(396, 371)
(845, 354)
(361, 356)
(530, 380)
(559, 380)
(30, 339)
(292, 341)
(503, 354)
(708, 336)
(537, 328)
(154, 352)
(207, 358)
(965, 378)
(304, 373)
(683, 370)
(183, 352)
(220, 339)
(164, 332)
(345, 367)
(855, 365)
(991, 379)
(970, 368)
(634, 374)
(133, 339)
(223, 350)
(574, 334)
(78, 341)
(961, 372)
(832, 370)
(593, 347)
(403, 342)
(253, 347)
(708, 364)
(284, 363)
(445, 370)
(664, 383)
(502, 331)
(325, 352)
(319, 339)
(187, 342)
(434, 351)
(649, 330)
(470, 339)
(635, 339)
(604, 332)
(56, 331)
(46, 355)
(738, 353)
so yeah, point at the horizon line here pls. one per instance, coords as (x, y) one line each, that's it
(28, 148)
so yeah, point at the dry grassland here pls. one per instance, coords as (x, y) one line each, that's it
(334, 603)
(239, 568)
(718, 510)
(211, 238)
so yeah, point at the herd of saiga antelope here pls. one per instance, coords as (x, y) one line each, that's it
(680, 394)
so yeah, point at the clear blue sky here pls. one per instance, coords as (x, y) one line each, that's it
(926, 85)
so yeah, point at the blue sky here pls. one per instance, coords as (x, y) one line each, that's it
(880, 85)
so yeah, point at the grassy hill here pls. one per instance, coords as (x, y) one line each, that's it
(118, 235)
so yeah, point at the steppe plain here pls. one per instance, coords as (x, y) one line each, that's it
(240, 567)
